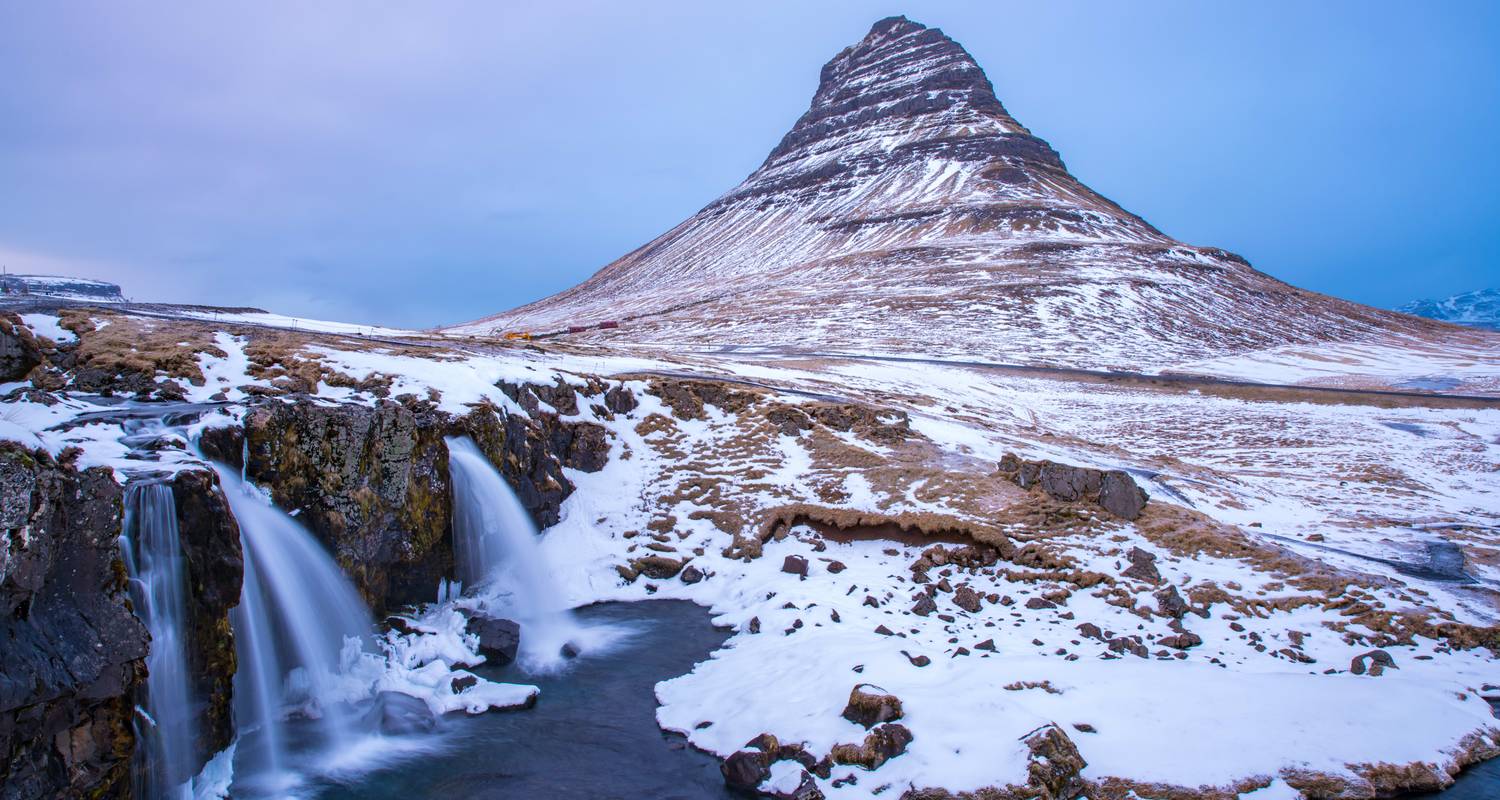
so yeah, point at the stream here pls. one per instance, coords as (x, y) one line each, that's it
(592, 734)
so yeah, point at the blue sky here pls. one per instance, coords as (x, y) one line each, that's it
(419, 164)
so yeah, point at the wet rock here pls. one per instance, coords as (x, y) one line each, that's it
(463, 683)
(795, 565)
(882, 744)
(1374, 662)
(869, 706)
(746, 770)
(691, 574)
(1113, 490)
(1142, 566)
(1053, 764)
(72, 655)
(499, 639)
(403, 715)
(967, 599)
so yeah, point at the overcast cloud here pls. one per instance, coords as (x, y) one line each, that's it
(418, 164)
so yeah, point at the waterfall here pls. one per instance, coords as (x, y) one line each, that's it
(158, 591)
(298, 628)
(496, 552)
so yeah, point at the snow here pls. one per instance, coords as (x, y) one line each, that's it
(48, 325)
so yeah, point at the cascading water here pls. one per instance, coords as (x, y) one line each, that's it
(158, 589)
(298, 628)
(495, 548)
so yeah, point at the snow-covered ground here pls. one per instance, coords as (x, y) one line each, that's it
(1306, 513)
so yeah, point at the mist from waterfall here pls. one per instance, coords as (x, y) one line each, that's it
(157, 568)
(497, 556)
(299, 627)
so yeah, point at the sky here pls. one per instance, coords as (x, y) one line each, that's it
(419, 164)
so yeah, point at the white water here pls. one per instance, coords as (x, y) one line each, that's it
(299, 627)
(158, 590)
(496, 552)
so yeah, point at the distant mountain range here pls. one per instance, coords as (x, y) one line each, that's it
(1480, 309)
(60, 286)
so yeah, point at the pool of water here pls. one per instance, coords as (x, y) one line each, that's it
(592, 734)
(1481, 782)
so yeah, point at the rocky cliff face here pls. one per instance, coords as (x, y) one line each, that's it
(907, 210)
(215, 567)
(71, 652)
(372, 482)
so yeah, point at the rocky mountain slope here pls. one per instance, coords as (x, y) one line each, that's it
(907, 211)
(1480, 308)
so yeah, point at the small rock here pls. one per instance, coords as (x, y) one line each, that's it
(869, 706)
(499, 639)
(691, 574)
(1037, 603)
(881, 745)
(1374, 662)
(836, 567)
(987, 644)
(967, 599)
(924, 605)
(463, 682)
(745, 770)
(795, 565)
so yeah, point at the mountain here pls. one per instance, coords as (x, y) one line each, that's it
(61, 286)
(908, 211)
(1480, 309)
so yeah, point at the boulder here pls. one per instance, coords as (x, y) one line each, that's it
(1112, 490)
(1374, 663)
(1053, 764)
(967, 599)
(882, 744)
(746, 770)
(795, 565)
(19, 353)
(870, 706)
(499, 639)
(1142, 566)
(399, 714)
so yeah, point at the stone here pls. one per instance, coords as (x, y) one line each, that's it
(1170, 604)
(691, 574)
(746, 770)
(794, 565)
(967, 599)
(1142, 566)
(1112, 490)
(499, 639)
(403, 715)
(463, 682)
(1374, 663)
(1053, 764)
(881, 744)
(657, 566)
(869, 706)
(835, 567)
(924, 605)
(987, 644)
(1037, 603)
(19, 353)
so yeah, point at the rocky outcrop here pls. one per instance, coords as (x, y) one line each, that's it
(372, 481)
(18, 349)
(72, 655)
(1112, 490)
(210, 540)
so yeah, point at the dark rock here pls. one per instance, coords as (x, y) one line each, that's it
(1091, 631)
(1113, 490)
(72, 655)
(463, 682)
(403, 715)
(499, 639)
(1180, 641)
(835, 567)
(916, 661)
(924, 605)
(870, 708)
(884, 631)
(1170, 604)
(1037, 603)
(691, 574)
(620, 400)
(987, 644)
(967, 599)
(1053, 765)
(19, 352)
(880, 745)
(1374, 662)
(1142, 566)
(746, 770)
(795, 565)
